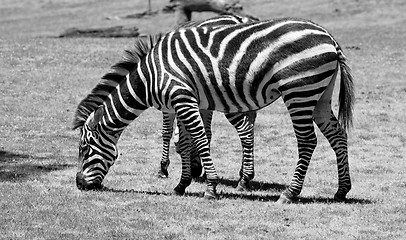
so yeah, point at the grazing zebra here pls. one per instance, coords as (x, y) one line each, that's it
(232, 69)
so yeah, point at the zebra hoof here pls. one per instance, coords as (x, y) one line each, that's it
(210, 195)
(243, 186)
(286, 198)
(163, 174)
(340, 197)
(179, 191)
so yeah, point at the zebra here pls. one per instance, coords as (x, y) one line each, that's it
(231, 69)
(242, 122)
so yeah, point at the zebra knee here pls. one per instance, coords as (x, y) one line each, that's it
(307, 143)
(330, 126)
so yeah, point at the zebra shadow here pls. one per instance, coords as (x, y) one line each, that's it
(254, 185)
(250, 196)
(15, 167)
(6, 156)
(310, 200)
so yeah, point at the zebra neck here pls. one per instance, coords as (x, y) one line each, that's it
(125, 103)
(154, 84)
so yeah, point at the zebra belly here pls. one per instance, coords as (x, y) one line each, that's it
(232, 99)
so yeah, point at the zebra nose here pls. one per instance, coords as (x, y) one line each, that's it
(82, 184)
(80, 181)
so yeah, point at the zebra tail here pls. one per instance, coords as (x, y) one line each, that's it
(346, 94)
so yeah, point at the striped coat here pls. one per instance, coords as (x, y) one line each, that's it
(231, 69)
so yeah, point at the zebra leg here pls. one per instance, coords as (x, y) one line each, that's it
(207, 117)
(335, 134)
(306, 141)
(184, 147)
(328, 124)
(167, 130)
(189, 115)
(196, 163)
(244, 124)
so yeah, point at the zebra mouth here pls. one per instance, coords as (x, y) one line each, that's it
(84, 185)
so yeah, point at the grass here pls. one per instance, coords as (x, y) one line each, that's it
(43, 79)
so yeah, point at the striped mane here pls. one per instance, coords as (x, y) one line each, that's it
(109, 81)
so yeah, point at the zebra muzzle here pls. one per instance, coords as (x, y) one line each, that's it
(82, 184)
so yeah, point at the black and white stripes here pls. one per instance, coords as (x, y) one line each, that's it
(235, 69)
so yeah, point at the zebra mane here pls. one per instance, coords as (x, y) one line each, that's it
(109, 81)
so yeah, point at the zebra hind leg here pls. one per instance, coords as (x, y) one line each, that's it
(306, 141)
(184, 149)
(244, 124)
(335, 134)
(328, 124)
(167, 130)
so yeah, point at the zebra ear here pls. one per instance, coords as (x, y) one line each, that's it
(96, 118)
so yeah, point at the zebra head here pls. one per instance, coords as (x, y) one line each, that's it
(97, 152)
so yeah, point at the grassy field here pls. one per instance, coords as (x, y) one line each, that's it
(43, 78)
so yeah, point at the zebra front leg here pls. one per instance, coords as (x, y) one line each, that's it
(196, 163)
(306, 141)
(244, 124)
(167, 130)
(189, 115)
(337, 138)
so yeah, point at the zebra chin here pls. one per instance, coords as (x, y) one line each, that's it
(84, 185)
